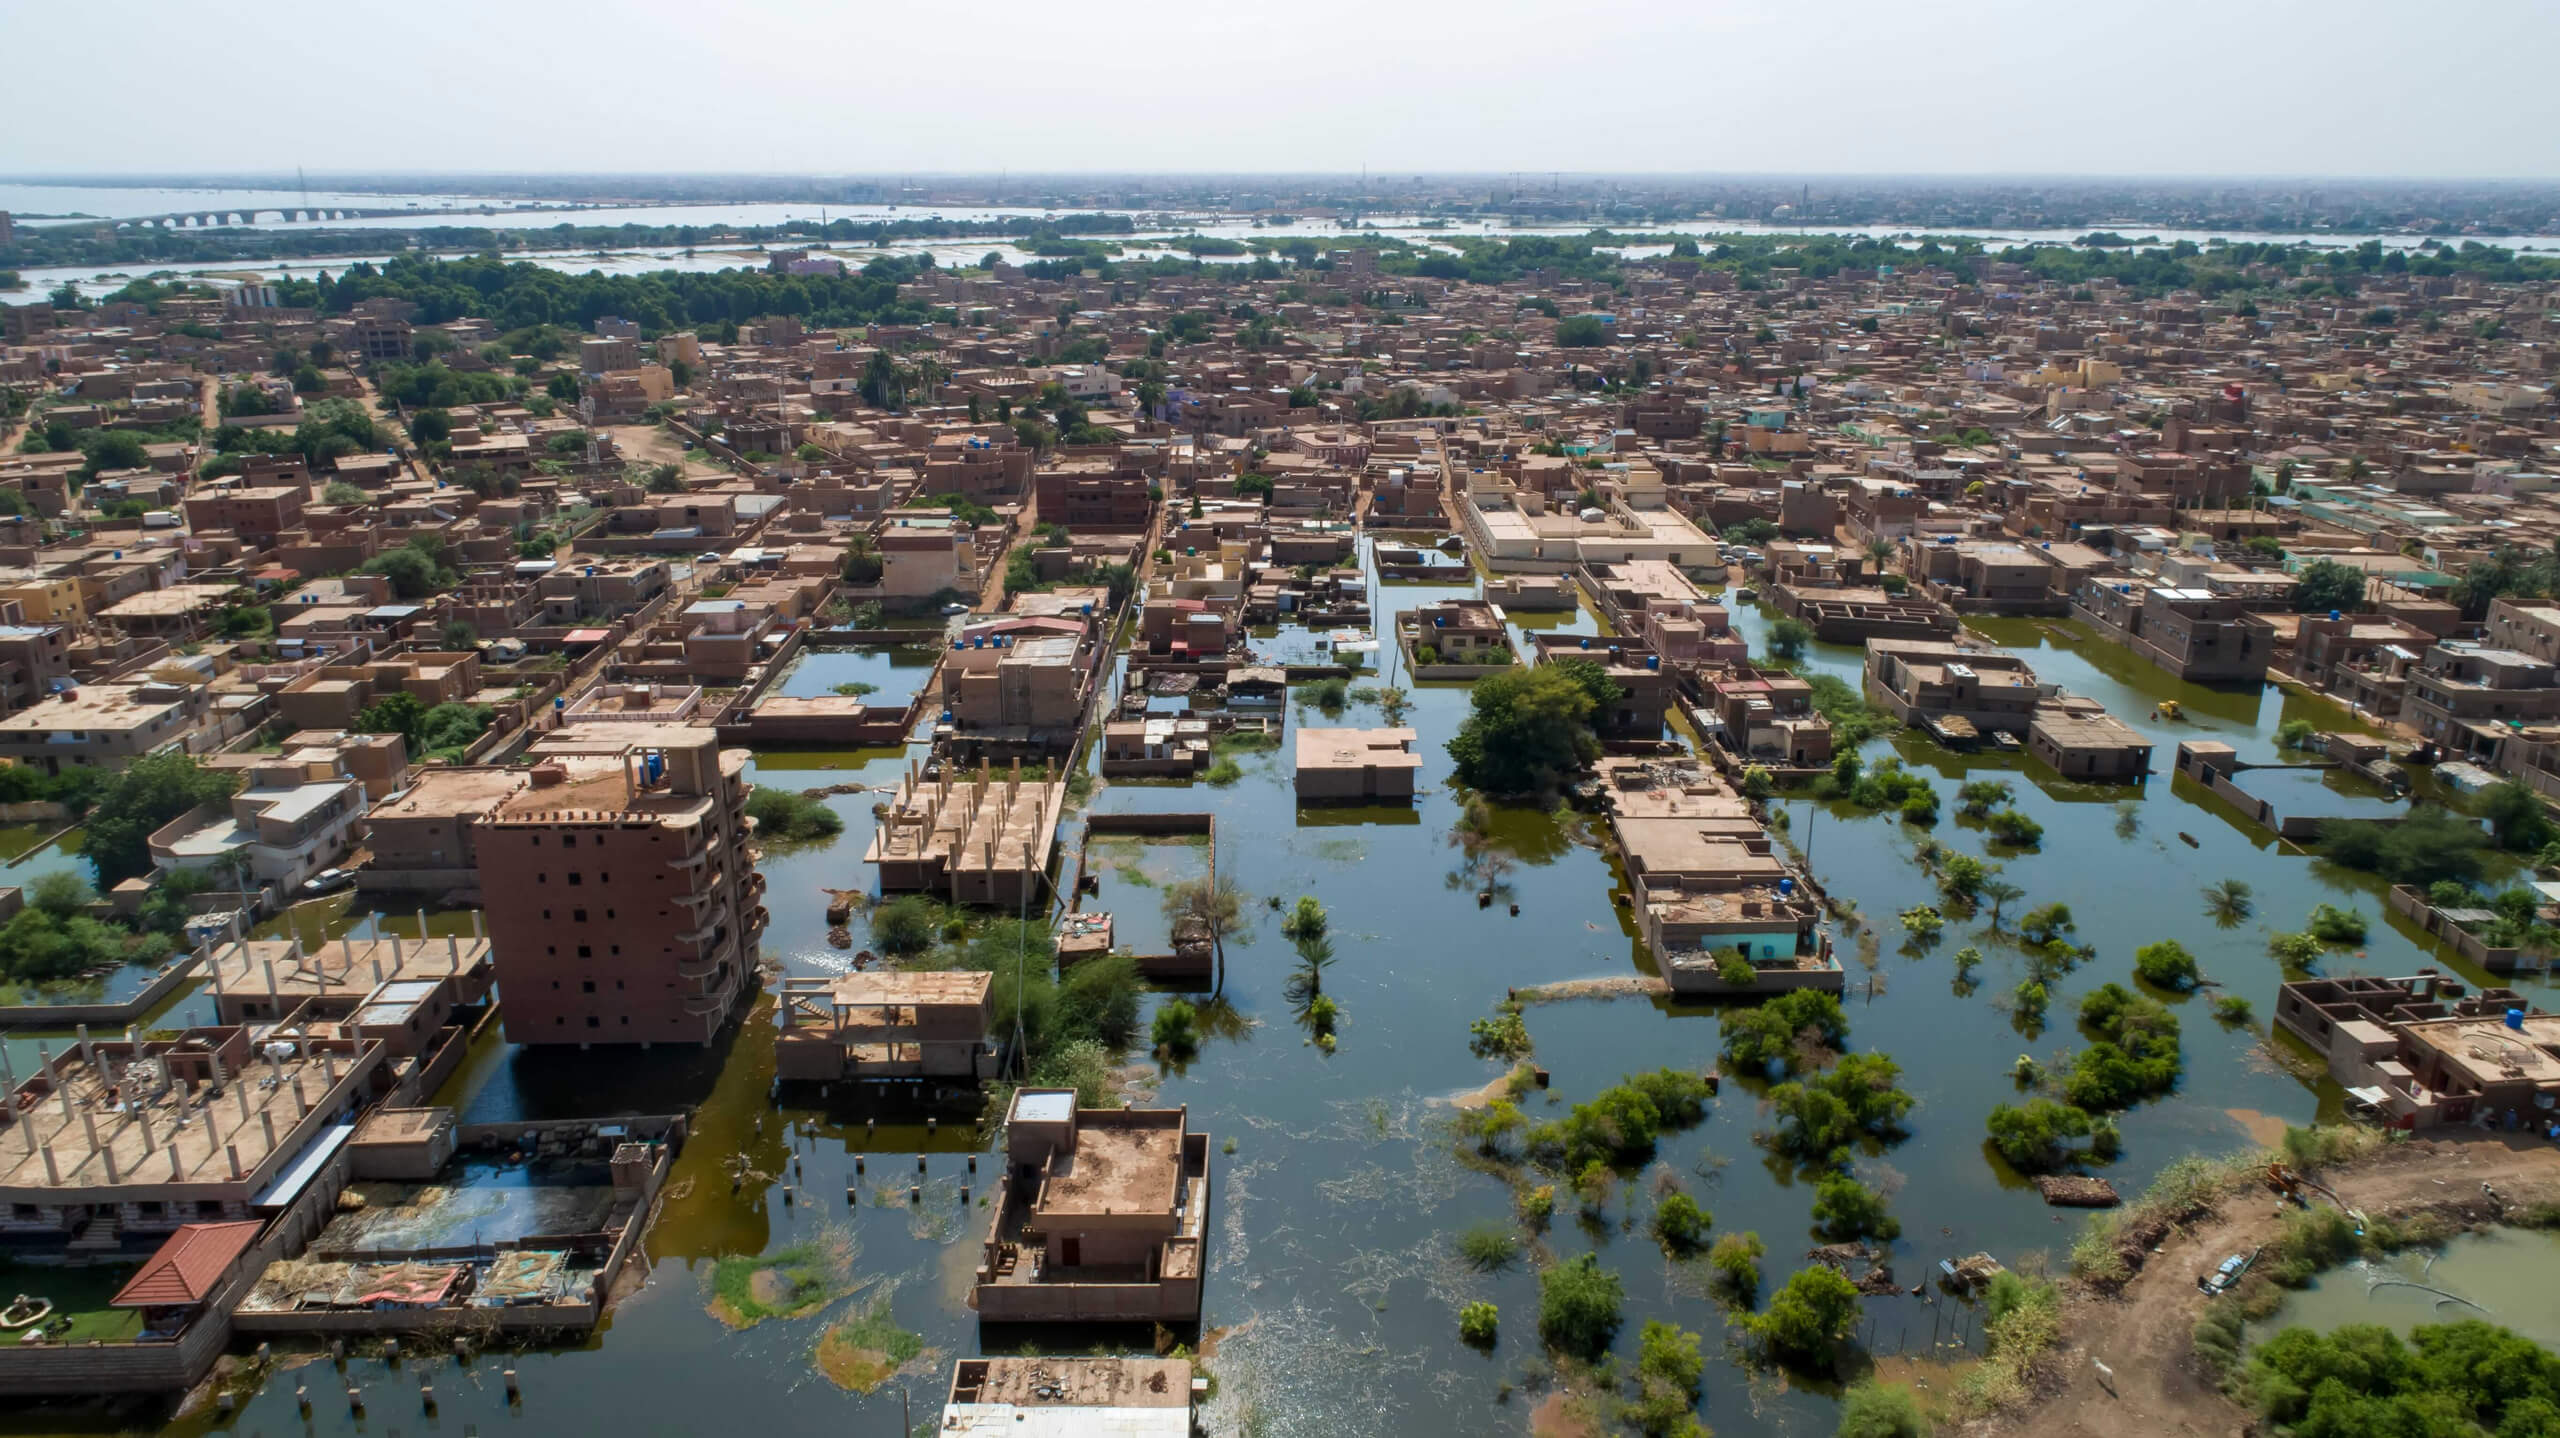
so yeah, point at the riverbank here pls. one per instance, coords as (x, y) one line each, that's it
(2142, 1331)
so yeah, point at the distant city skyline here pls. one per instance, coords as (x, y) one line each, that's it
(2179, 89)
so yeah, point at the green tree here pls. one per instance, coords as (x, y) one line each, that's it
(2167, 964)
(149, 793)
(1679, 1224)
(1581, 332)
(1788, 638)
(2035, 1136)
(1845, 1209)
(2325, 584)
(1579, 1305)
(1528, 728)
(1808, 1318)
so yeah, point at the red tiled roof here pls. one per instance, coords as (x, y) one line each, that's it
(187, 1266)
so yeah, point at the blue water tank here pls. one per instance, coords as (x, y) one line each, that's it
(657, 767)
(2515, 1020)
(1786, 886)
(1653, 661)
(2334, 614)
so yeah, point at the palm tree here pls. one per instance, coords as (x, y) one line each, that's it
(1996, 893)
(1216, 905)
(2228, 902)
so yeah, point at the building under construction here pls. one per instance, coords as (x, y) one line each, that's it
(985, 838)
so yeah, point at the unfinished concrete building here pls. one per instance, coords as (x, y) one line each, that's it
(982, 839)
(880, 1025)
(1102, 1216)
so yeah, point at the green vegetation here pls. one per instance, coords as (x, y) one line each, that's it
(2023, 1318)
(1792, 1031)
(1175, 1031)
(2429, 845)
(1806, 1320)
(1579, 1306)
(2448, 1380)
(1845, 1209)
(1527, 729)
(2167, 964)
(1479, 1324)
(1923, 922)
(445, 732)
(2136, 1055)
(791, 1282)
(1736, 1261)
(1789, 638)
(2296, 734)
(1620, 1124)
(2336, 926)
(2035, 1136)
(2232, 1009)
(855, 689)
(1820, 1119)
(2229, 902)
(2294, 951)
(1489, 1247)
(787, 816)
(904, 926)
(1978, 797)
(1503, 1036)
(1669, 1369)
(1871, 1409)
(2015, 829)
(416, 569)
(1853, 720)
(2325, 584)
(1680, 1225)
(147, 794)
(867, 1349)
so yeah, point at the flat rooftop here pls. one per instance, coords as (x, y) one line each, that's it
(347, 969)
(1356, 749)
(1122, 1163)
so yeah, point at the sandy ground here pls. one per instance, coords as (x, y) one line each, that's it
(651, 445)
(2143, 1332)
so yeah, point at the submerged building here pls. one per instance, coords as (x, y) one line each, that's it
(1102, 1216)
(623, 905)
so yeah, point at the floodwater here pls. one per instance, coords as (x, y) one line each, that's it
(1332, 1283)
(2501, 1276)
(1153, 227)
(895, 672)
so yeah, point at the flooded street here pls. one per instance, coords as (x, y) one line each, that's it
(1333, 1288)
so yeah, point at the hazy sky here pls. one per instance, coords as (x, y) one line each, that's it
(2422, 88)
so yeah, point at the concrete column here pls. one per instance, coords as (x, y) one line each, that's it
(177, 1165)
(88, 1051)
(52, 1173)
(267, 1126)
(108, 1155)
(231, 1151)
(301, 1104)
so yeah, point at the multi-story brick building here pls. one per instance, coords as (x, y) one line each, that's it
(620, 895)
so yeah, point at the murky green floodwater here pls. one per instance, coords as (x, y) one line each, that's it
(1331, 1279)
(2502, 1276)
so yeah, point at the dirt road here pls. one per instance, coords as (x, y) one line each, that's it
(2143, 1332)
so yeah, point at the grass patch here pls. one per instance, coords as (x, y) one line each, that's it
(1245, 741)
(866, 1350)
(793, 1282)
(2025, 1319)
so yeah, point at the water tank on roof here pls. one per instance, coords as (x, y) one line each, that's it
(1653, 661)
(2334, 614)
(2515, 1020)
